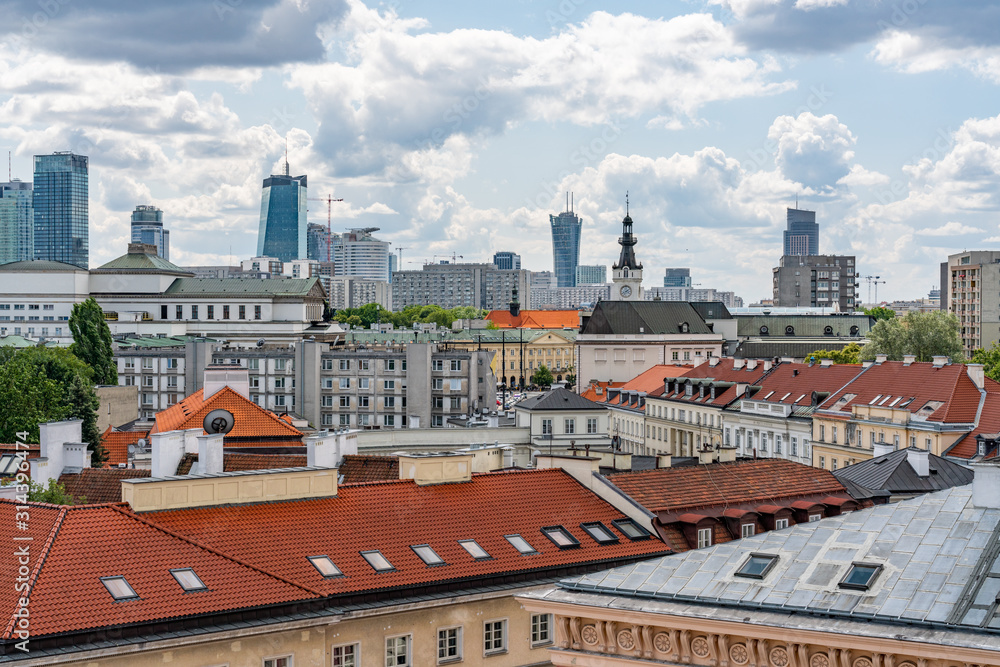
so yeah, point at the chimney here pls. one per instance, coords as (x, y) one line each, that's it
(975, 372)
(751, 364)
(210, 454)
(881, 449)
(737, 364)
(909, 359)
(169, 447)
(75, 456)
(919, 460)
(55, 440)
(323, 451)
(881, 358)
(826, 363)
(940, 360)
(985, 482)
(706, 455)
(439, 468)
(727, 454)
(767, 365)
(866, 364)
(713, 361)
(218, 376)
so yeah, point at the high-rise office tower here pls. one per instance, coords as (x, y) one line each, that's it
(591, 274)
(318, 245)
(62, 220)
(802, 233)
(147, 227)
(506, 260)
(17, 222)
(566, 229)
(283, 225)
(359, 254)
(680, 277)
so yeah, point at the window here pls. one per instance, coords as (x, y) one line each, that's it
(631, 529)
(188, 580)
(747, 530)
(591, 425)
(256, 312)
(495, 636)
(243, 312)
(280, 364)
(225, 312)
(397, 651)
(279, 383)
(345, 383)
(546, 427)
(756, 566)
(601, 533)
(364, 364)
(815, 517)
(345, 364)
(388, 385)
(456, 364)
(283, 661)
(822, 432)
(389, 401)
(541, 629)
(325, 566)
(428, 555)
(377, 561)
(455, 384)
(449, 644)
(437, 365)
(860, 576)
(364, 401)
(346, 656)
(253, 364)
(570, 425)
(147, 363)
(561, 537)
(194, 312)
(119, 588)
(521, 544)
(822, 462)
(345, 401)
(364, 383)
(345, 420)
(147, 380)
(474, 549)
(390, 364)
(704, 537)
(780, 524)
(180, 313)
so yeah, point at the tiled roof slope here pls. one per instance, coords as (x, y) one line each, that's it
(892, 472)
(941, 569)
(598, 391)
(536, 319)
(99, 485)
(116, 444)
(368, 468)
(73, 547)
(672, 489)
(392, 516)
(920, 381)
(788, 381)
(558, 399)
(239, 461)
(651, 317)
(252, 422)
(988, 425)
(723, 370)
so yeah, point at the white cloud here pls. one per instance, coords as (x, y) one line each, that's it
(807, 5)
(858, 176)
(949, 229)
(814, 151)
(916, 53)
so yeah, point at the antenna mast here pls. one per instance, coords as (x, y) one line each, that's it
(286, 157)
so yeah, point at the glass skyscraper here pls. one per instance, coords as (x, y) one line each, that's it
(283, 229)
(17, 222)
(679, 277)
(506, 260)
(62, 229)
(566, 229)
(147, 227)
(802, 233)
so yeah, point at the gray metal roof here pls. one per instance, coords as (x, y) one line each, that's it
(47, 265)
(780, 346)
(134, 262)
(559, 399)
(248, 286)
(892, 472)
(804, 325)
(711, 310)
(646, 317)
(939, 553)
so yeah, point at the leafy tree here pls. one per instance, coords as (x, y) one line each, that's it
(990, 359)
(880, 313)
(54, 493)
(848, 355)
(925, 335)
(570, 376)
(92, 341)
(542, 377)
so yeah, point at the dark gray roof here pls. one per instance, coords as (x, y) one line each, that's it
(779, 346)
(940, 558)
(652, 317)
(559, 399)
(892, 472)
(712, 310)
(804, 325)
(47, 265)
(296, 287)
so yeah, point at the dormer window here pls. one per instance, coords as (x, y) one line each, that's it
(684, 327)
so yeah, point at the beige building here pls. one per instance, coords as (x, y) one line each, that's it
(971, 295)
(522, 351)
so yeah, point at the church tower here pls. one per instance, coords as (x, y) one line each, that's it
(627, 272)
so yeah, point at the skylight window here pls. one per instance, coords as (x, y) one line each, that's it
(428, 555)
(561, 537)
(887, 397)
(188, 580)
(325, 566)
(756, 566)
(119, 588)
(379, 562)
(474, 549)
(785, 396)
(601, 533)
(861, 576)
(631, 529)
(9, 464)
(875, 400)
(895, 400)
(768, 394)
(521, 544)
(798, 399)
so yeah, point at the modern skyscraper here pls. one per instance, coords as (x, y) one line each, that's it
(506, 260)
(62, 220)
(566, 229)
(591, 274)
(802, 233)
(17, 222)
(283, 225)
(357, 253)
(318, 244)
(677, 278)
(147, 227)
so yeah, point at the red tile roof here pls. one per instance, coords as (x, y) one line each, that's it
(649, 382)
(535, 319)
(724, 370)
(392, 516)
(725, 484)
(116, 444)
(73, 547)
(254, 426)
(598, 391)
(989, 424)
(98, 485)
(239, 461)
(787, 382)
(368, 468)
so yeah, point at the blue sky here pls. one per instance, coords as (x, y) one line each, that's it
(457, 127)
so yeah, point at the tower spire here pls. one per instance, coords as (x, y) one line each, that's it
(287, 170)
(626, 203)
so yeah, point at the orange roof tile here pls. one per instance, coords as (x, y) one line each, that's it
(598, 391)
(240, 461)
(787, 382)
(116, 444)
(254, 426)
(989, 424)
(98, 485)
(368, 468)
(535, 319)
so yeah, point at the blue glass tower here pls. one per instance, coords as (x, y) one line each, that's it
(147, 227)
(17, 222)
(283, 226)
(62, 218)
(802, 233)
(566, 229)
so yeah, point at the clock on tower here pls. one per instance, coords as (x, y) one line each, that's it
(627, 274)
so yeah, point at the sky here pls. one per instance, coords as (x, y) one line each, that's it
(457, 127)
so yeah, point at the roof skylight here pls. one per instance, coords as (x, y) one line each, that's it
(379, 562)
(785, 396)
(895, 400)
(474, 549)
(757, 565)
(188, 580)
(768, 394)
(428, 555)
(887, 397)
(875, 400)
(798, 399)
(561, 537)
(631, 529)
(325, 566)
(861, 576)
(9, 464)
(521, 544)
(119, 588)
(601, 533)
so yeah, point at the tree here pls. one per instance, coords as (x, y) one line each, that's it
(542, 377)
(92, 341)
(570, 376)
(924, 335)
(54, 493)
(848, 355)
(880, 313)
(990, 359)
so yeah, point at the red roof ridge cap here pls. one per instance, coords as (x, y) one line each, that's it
(184, 538)
(33, 577)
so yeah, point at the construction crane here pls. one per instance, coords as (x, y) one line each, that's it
(329, 217)
(400, 251)
(454, 257)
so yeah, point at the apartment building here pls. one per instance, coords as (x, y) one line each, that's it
(453, 285)
(972, 291)
(816, 280)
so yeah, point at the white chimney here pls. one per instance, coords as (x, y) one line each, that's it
(52, 450)
(751, 364)
(737, 364)
(919, 460)
(706, 455)
(218, 376)
(909, 359)
(985, 482)
(75, 456)
(881, 358)
(767, 364)
(939, 360)
(976, 374)
(826, 362)
(210, 454)
(168, 448)
(881, 449)
(322, 450)
(713, 361)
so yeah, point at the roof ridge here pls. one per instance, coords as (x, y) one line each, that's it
(184, 538)
(36, 571)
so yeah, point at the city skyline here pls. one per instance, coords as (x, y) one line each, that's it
(741, 118)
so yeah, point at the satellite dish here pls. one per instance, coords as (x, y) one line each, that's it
(219, 421)
(141, 443)
(260, 342)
